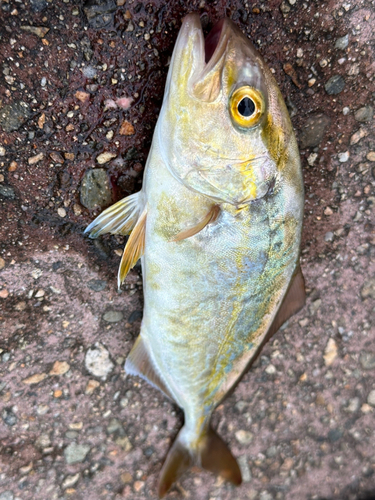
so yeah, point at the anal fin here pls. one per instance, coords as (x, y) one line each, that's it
(139, 363)
(134, 248)
(211, 216)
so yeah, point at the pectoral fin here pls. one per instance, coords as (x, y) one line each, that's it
(294, 300)
(211, 216)
(140, 363)
(120, 218)
(134, 249)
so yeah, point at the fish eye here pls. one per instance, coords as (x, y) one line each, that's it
(246, 106)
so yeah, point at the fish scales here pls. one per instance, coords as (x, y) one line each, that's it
(217, 225)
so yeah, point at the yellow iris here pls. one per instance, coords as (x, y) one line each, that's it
(246, 106)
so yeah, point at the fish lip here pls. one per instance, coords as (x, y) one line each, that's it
(223, 28)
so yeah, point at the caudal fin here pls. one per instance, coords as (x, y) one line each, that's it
(211, 453)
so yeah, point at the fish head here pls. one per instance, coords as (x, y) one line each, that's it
(223, 130)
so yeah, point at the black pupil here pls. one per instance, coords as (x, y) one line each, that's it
(246, 107)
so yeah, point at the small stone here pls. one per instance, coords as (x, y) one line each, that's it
(9, 418)
(124, 443)
(357, 136)
(139, 485)
(20, 306)
(70, 127)
(353, 405)
(69, 156)
(313, 130)
(284, 8)
(2, 151)
(40, 293)
(82, 96)
(271, 370)
(342, 42)
(126, 128)
(2, 263)
(335, 85)
(345, 110)
(299, 52)
(60, 368)
(61, 212)
(328, 236)
(39, 31)
(91, 386)
(244, 437)
(334, 435)
(99, 13)
(311, 82)
(245, 469)
(367, 360)
(364, 114)
(114, 426)
(7, 192)
(75, 453)
(113, 316)
(57, 393)
(330, 353)
(12, 116)
(95, 189)
(13, 166)
(368, 289)
(343, 157)
(97, 285)
(126, 478)
(97, 361)
(371, 156)
(4, 293)
(34, 379)
(7, 495)
(328, 211)
(371, 398)
(34, 159)
(70, 481)
(77, 209)
(311, 159)
(105, 157)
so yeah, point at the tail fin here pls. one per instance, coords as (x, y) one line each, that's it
(211, 454)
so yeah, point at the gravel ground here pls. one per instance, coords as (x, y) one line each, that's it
(80, 90)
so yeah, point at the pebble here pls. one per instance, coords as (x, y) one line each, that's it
(126, 128)
(113, 316)
(311, 159)
(95, 189)
(367, 360)
(335, 85)
(75, 453)
(368, 289)
(105, 157)
(334, 435)
(271, 370)
(91, 386)
(328, 236)
(2, 263)
(39, 31)
(244, 437)
(7, 192)
(364, 114)
(357, 136)
(343, 157)
(371, 156)
(59, 368)
(342, 42)
(7, 495)
(70, 481)
(99, 14)
(12, 116)
(371, 398)
(34, 379)
(97, 285)
(98, 362)
(9, 418)
(245, 469)
(34, 159)
(313, 130)
(61, 212)
(82, 96)
(328, 211)
(2, 151)
(330, 353)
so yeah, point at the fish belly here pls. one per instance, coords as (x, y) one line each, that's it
(210, 299)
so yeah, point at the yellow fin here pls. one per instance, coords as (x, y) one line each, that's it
(134, 248)
(139, 363)
(211, 216)
(120, 218)
(211, 453)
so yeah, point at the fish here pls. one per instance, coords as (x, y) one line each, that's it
(217, 226)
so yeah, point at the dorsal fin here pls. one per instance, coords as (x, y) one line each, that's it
(134, 248)
(139, 363)
(294, 300)
(120, 218)
(211, 216)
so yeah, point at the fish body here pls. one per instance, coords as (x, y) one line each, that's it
(217, 225)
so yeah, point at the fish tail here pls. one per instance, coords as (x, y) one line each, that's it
(209, 452)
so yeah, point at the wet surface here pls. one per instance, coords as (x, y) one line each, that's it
(81, 87)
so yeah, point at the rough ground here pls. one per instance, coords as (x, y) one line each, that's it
(72, 427)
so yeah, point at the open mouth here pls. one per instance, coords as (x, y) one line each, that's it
(212, 40)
